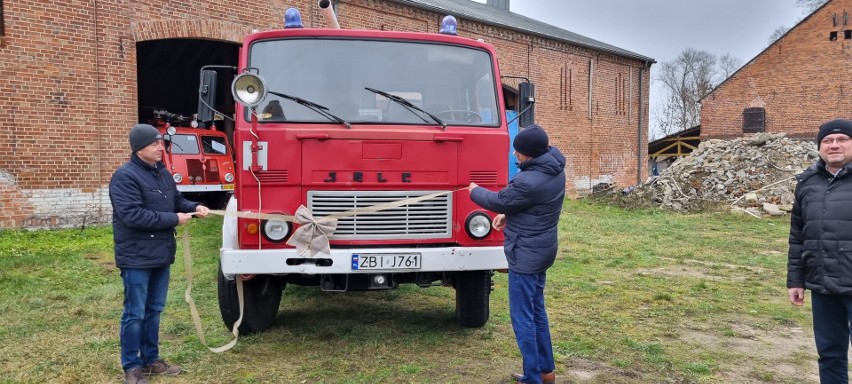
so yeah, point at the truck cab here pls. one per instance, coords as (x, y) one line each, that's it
(382, 131)
(200, 159)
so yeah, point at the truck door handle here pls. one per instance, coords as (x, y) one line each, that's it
(312, 136)
(448, 138)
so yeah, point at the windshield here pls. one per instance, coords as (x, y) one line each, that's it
(214, 145)
(454, 83)
(181, 144)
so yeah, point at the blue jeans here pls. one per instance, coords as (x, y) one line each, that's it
(144, 299)
(529, 320)
(832, 314)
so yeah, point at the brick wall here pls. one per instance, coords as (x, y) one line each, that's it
(68, 95)
(801, 81)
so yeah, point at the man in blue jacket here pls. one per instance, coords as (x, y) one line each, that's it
(146, 208)
(820, 254)
(528, 209)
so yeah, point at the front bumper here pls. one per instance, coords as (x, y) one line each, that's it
(193, 188)
(275, 261)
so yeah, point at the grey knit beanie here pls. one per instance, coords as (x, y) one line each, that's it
(141, 135)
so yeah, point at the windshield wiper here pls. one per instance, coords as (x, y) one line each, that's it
(410, 107)
(171, 142)
(321, 109)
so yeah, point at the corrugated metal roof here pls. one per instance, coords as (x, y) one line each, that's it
(486, 14)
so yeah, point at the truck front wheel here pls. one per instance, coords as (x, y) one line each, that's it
(473, 291)
(261, 299)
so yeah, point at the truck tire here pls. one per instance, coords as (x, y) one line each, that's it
(473, 291)
(261, 299)
(220, 200)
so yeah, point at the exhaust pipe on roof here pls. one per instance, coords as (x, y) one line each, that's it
(328, 14)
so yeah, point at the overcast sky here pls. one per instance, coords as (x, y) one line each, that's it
(661, 29)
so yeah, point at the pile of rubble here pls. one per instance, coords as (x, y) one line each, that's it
(754, 175)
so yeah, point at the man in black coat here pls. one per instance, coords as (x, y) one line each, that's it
(820, 255)
(528, 209)
(146, 208)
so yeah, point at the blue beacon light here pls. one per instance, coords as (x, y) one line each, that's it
(449, 26)
(292, 18)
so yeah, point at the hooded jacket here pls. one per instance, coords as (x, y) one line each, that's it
(145, 202)
(532, 203)
(820, 253)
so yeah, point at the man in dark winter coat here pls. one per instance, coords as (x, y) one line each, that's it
(820, 255)
(146, 208)
(529, 209)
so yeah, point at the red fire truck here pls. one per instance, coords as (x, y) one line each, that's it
(200, 160)
(338, 120)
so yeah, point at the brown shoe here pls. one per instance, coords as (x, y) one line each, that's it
(134, 376)
(161, 367)
(546, 378)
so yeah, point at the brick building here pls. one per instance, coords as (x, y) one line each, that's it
(78, 74)
(797, 83)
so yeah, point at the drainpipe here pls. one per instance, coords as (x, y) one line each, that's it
(639, 164)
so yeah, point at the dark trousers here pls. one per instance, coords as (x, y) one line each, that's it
(832, 314)
(529, 320)
(145, 293)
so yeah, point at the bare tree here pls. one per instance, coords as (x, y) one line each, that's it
(809, 6)
(728, 65)
(780, 31)
(685, 80)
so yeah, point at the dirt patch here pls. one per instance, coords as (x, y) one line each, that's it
(105, 259)
(782, 355)
(682, 271)
(580, 370)
(759, 350)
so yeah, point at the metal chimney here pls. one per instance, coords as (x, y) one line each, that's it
(502, 5)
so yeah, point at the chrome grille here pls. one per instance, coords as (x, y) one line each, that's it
(426, 219)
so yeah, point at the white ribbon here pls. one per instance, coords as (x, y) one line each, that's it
(312, 235)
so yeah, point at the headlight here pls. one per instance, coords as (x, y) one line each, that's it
(275, 231)
(178, 177)
(229, 177)
(478, 225)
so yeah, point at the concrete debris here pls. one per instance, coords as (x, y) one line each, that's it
(753, 175)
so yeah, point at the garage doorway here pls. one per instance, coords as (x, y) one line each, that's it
(168, 73)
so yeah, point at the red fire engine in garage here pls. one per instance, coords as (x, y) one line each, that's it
(343, 120)
(200, 160)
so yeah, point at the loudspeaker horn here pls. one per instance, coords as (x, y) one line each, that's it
(249, 89)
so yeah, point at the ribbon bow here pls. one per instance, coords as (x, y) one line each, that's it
(312, 235)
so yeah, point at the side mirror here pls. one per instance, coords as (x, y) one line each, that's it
(526, 104)
(206, 95)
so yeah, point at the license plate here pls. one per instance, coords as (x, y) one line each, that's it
(227, 187)
(377, 261)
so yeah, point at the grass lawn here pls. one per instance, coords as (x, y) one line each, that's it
(634, 297)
